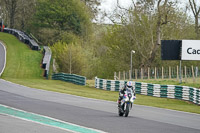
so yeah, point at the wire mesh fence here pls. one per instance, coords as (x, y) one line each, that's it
(159, 73)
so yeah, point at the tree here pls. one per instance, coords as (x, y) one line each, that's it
(70, 57)
(11, 6)
(150, 16)
(25, 13)
(142, 30)
(195, 10)
(93, 6)
(62, 15)
(162, 19)
(18, 13)
(54, 19)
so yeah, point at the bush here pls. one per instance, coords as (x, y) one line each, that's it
(70, 57)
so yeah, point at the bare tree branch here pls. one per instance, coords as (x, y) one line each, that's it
(118, 5)
(196, 14)
(192, 7)
(195, 6)
(134, 3)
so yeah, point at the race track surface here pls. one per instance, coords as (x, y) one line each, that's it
(97, 114)
(21, 126)
(2, 58)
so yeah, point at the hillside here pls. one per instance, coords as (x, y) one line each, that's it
(22, 62)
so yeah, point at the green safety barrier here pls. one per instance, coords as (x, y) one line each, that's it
(72, 78)
(138, 87)
(108, 85)
(164, 91)
(178, 92)
(191, 92)
(150, 89)
(198, 97)
(117, 85)
(101, 83)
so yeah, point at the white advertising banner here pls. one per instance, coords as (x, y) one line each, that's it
(190, 50)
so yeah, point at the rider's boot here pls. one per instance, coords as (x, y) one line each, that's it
(119, 103)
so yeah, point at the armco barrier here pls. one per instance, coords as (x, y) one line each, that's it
(46, 60)
(23, 37)
(156, 90)
(72, 78)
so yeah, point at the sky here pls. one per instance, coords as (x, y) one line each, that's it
(109, 5)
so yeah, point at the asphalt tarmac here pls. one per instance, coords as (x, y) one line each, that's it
(14, 125)
(97, 114)
(2, 58)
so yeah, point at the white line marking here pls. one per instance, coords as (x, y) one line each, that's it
(52, 119)
(39, 123)
(5, 59)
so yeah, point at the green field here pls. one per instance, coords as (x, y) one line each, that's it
(22, 62)
(174, 82)
(23, 67)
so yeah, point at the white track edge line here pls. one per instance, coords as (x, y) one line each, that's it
(53, 119)
(5, 59)
(37, 122)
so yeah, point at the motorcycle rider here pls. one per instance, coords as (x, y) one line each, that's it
(129, 84)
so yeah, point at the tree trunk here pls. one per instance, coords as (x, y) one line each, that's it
(12, 19)
(196, 26)
(158, 30)
(156, 45)
(195, 11)
(11, 6)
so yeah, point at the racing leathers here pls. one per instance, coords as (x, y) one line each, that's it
(122, 92)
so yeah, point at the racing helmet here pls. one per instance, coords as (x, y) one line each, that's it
(129, 84)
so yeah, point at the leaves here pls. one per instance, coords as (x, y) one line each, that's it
(63, 15)
(70, 57)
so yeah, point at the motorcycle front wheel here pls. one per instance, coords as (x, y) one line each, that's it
(120, 111)
(127, 110)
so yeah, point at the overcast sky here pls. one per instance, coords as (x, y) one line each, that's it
(109, 5)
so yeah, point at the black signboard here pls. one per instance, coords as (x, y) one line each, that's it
(171, 49)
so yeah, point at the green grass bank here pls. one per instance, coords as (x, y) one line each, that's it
(22, 62)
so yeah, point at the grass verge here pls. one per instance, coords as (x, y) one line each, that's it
(174, 82)
(22, 62)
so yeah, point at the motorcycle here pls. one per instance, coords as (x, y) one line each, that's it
(126, 102)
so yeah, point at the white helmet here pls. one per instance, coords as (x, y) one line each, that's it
(129, 84)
